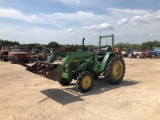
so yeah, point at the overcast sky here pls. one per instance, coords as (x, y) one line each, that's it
(68, 21)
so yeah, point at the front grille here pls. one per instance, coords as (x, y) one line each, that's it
(21, 56)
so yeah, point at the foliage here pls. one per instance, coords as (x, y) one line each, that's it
(144, 46)
(29, 46)
(122, 46)
(149, 45)
(11, 43)
(53, 45)
(39, 46)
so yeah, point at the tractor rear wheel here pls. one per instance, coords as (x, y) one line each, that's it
(85, 81)
(115, 69)
(64, 82)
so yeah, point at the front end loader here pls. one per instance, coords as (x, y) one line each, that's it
(83, 67)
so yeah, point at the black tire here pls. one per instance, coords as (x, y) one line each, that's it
(12, 62)
(119, 55)
(64, 82)
(115, 70)
(96, 76)
(4, 58)
(27, 61)
(33, 60)
(138, 56)
(85, 81)
(1, 57)
(153, 56)
(130, 55)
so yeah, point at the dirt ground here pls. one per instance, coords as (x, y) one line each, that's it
(27, 96)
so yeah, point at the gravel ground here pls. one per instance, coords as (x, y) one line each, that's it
(27, 96)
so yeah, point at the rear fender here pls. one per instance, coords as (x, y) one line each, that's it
(105, 59)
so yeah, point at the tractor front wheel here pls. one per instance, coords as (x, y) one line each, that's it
(12, 61)
(64, 82)
(5, 58)
(85, 81)
(115, 69)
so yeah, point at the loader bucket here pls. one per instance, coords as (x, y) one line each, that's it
(48, 70)
(41, 67)
(55, 74)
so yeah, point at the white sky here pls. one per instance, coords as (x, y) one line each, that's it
(68, 21)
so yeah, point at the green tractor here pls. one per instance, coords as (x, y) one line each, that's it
(83, 67)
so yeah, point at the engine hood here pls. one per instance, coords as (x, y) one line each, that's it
(4, 50)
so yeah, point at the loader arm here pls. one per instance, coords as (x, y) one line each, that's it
(83, 58)
(55, 55)
(64, 70)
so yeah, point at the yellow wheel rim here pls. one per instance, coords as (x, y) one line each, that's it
(86, 82)
(117, 70)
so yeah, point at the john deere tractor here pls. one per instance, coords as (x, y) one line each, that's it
(83, 67)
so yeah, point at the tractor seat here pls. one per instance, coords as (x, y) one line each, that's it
(102, 52)
(101, 55)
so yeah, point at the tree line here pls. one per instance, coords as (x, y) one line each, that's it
(144, 46)
(122, 46)
(7, 42)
